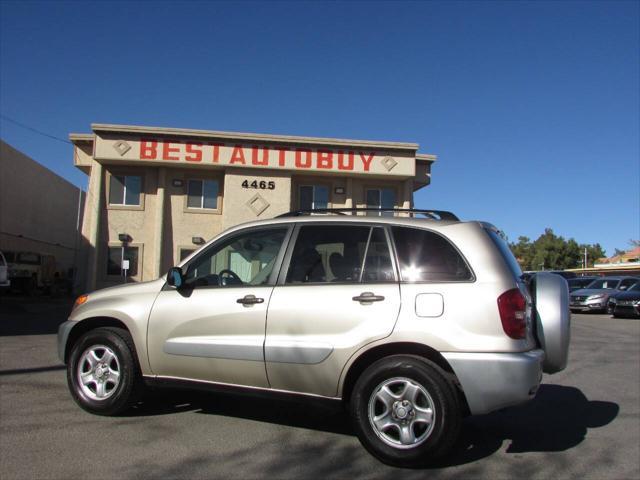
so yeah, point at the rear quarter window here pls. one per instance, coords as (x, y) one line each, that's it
(505, 251)
(425, 256)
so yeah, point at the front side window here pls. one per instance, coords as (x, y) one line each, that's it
(117, 255)
(313, 197)
(244, 259)
(202, 194)
(428, 257)
(340, 254)
(381, 198)
(125, 189)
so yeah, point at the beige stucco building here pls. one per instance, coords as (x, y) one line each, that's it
(164, 190)
(40, 212)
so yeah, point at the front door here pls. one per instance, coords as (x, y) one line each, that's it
(338, 293)
(213, 328)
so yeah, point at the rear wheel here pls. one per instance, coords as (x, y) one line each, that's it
(405, 411)
(103, 373)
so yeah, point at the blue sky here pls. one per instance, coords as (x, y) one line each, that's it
(532, 108)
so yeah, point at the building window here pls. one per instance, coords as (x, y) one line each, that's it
(313, 197)
(117, 255)
(381, 198)
(125, 190)
(202, 194)
(185, 252)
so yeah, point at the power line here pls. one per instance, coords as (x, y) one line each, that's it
(27, 127)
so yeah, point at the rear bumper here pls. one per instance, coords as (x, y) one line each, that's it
(491, 381)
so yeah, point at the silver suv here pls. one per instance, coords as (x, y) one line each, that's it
(411, 322)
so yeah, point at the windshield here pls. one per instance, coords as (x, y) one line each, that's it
(634, 288)
(604, 283)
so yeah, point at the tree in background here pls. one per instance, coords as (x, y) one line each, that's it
(553, 252)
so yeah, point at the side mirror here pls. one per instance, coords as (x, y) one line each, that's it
(174, 277)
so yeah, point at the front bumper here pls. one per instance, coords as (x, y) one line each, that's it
(627, 310)
(589, 307)
(491, 381)
(63, 335)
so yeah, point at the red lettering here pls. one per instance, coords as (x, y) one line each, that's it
(196, 150)
(237, 156)
(366, 161)
(345, 165)
(254, 156)
(148, 149)
(216, 151)
(324, 159)
(306, 163)
(167, 151)
(282, 155)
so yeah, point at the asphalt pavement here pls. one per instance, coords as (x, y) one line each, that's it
(584, 422)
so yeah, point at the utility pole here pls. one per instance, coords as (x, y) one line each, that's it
(585, 257)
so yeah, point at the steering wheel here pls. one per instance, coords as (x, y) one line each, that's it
(230, 273)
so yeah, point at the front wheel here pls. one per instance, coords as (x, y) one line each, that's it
(405, 411)
(103, 373)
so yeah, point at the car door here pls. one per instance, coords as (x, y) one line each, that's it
(337, 292)
(213, 327)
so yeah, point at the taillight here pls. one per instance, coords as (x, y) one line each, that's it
(512, 306)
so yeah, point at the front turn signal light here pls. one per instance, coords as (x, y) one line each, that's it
(80, 300)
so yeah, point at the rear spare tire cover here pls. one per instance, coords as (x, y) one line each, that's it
(553, 319)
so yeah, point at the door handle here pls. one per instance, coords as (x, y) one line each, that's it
(250, 300)
(368, 297)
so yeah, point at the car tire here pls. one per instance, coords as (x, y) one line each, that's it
(390, 408)
(103, 373)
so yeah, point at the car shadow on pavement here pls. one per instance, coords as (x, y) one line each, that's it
(558, 419)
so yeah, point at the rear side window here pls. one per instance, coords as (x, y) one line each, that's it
(428, 257)
(340, 254)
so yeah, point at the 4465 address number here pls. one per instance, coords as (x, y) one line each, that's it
(262, 184)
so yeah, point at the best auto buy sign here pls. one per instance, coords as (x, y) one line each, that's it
(278, 157)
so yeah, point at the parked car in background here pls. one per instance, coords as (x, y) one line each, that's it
(527, 275)
(627, 304)
(5, 283)
(579, 282)
(613, 298)
(595, 296)
(562, 273)
(30, 271)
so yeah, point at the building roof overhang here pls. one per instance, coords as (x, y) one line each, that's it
(251, 137)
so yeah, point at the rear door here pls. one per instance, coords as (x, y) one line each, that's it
(337, 291)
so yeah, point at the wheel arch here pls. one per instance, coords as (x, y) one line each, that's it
(87, 325)
(372, 355)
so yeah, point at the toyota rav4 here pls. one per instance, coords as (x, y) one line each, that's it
(412, 322)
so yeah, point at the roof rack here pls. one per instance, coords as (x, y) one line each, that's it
(433, 214)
